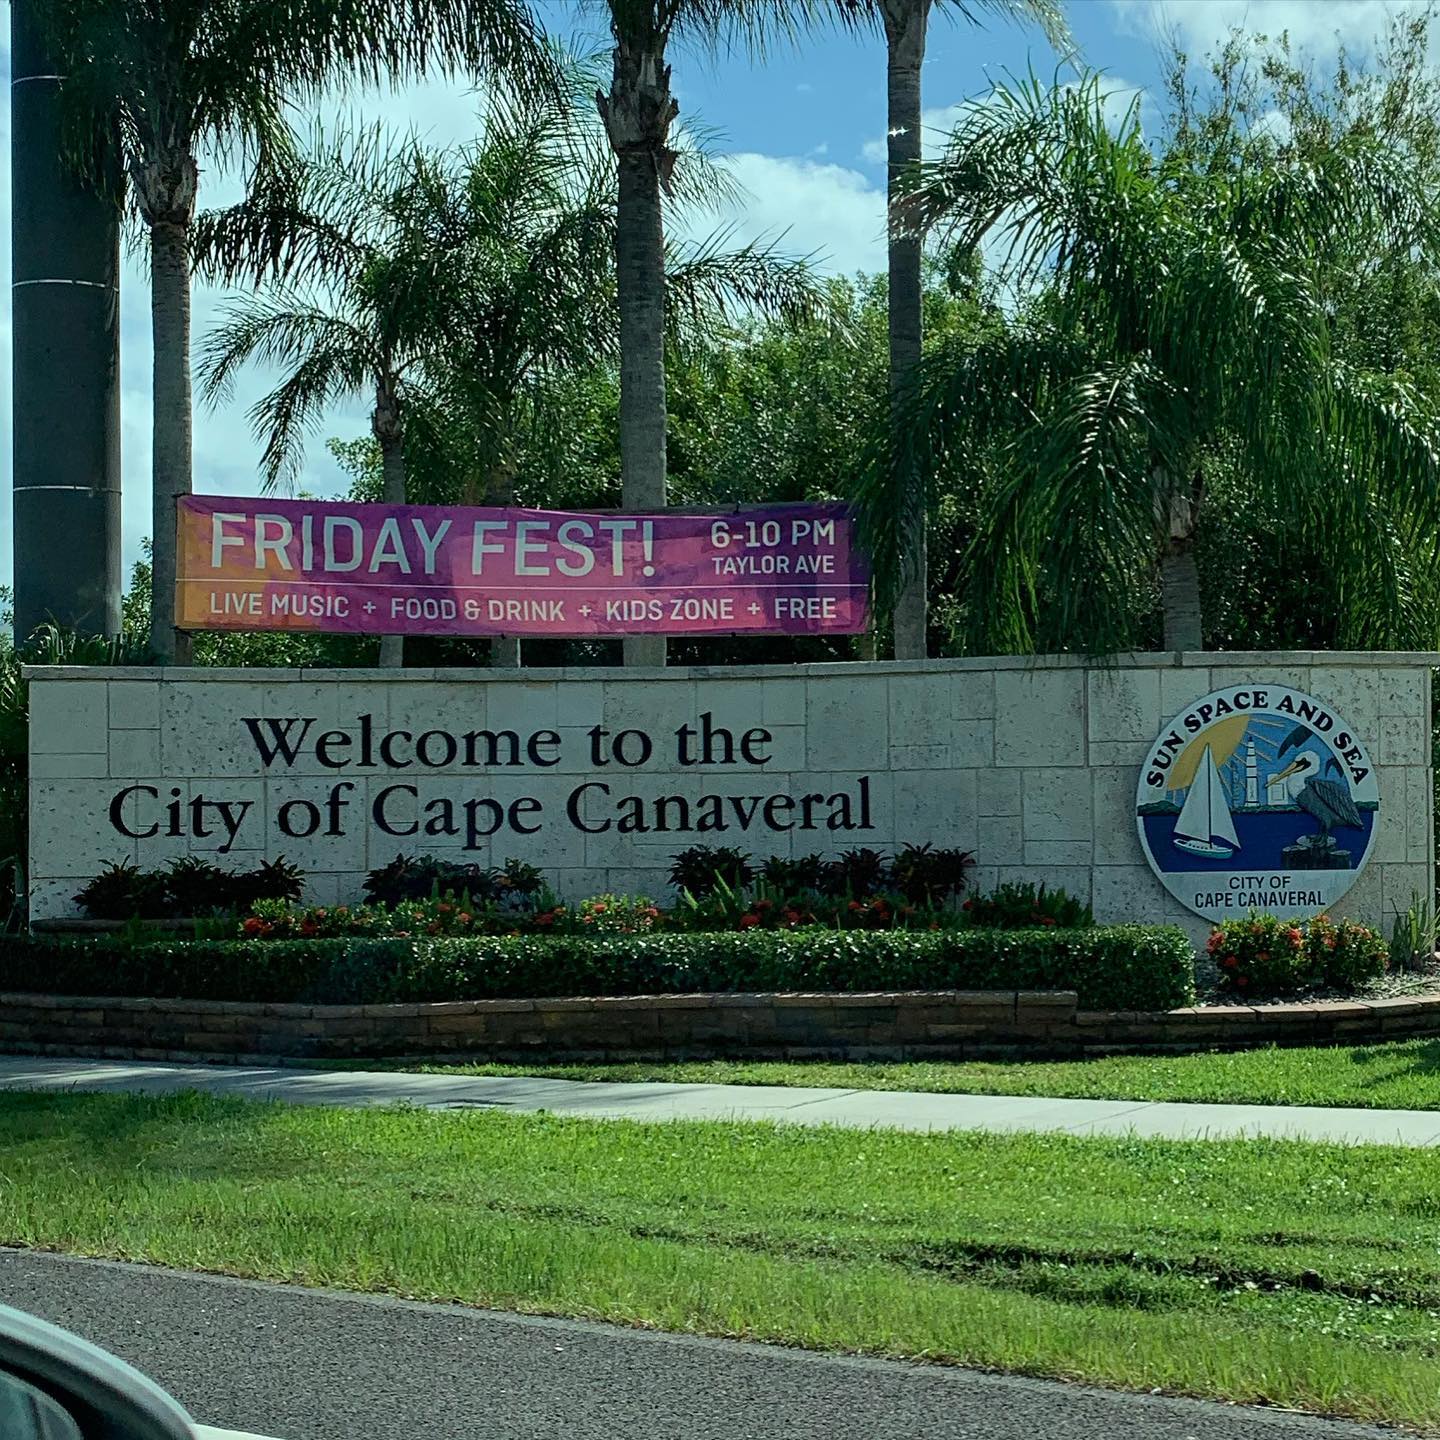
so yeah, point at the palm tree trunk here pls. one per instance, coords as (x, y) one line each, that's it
(172, 435)
(1176, 507)
(906, 22)
(1180, 596)
(392, 470)
(504, 651)
(637, 114)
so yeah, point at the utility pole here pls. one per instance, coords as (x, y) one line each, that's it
(65, 376)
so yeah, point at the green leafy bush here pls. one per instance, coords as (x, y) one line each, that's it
(1263, 957)
(423, 877)
(1345, 953)
(1127, 967)
(1021, 905)
(187, 886)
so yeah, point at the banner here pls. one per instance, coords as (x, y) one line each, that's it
(324, 565)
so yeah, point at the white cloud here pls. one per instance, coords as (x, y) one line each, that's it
(938, 121)
(810, 208)
(1312, 24)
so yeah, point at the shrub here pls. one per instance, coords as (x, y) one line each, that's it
(698, 870)
(1263, 957)
(1129, 967)
(1018, 906)
(188, 886)
(617, 915)
(926, 876)
(1345, 953)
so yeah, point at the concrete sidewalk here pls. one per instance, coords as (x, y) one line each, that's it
(859, 1109)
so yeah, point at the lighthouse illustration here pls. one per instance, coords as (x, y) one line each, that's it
(1205, 825)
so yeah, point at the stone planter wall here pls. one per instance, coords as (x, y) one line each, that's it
(929, 1025)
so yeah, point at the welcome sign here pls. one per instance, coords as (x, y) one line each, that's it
(321, 565)
(1258, 797)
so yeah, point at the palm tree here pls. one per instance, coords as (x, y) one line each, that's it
(906, 24)
(638, 111)
(450, 285)
(173, 76)
(1173, 322)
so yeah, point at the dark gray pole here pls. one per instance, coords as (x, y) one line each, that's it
(65, 363)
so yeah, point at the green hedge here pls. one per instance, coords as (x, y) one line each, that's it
(1120, 967)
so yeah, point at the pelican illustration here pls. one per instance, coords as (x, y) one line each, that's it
(1315, 793)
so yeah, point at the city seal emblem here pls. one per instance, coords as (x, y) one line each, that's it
(1257, 798)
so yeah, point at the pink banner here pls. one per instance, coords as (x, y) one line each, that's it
(329, 565)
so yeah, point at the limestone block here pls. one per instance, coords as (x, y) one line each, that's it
(1180, 687)
(1419, 793)
(1400, 884)
(972, 744)
(1049, 853)
(1073, 879)
(70, 830)
(1131, 892)
(1364, 900)
(1039, 717)
(418, 706)
(293, 803)
(1355, 694)
(1124, 705)
(134, 752)
(53, 899)
(203, 731)
(738, 705)
(1113, 797)
(580, 703)
(782, 702)
(997, 792)
(524, 708)
(847, 723)
(999, 841)
(919, 757)
(786, 749)
(937, 808)
(324, 888)
(919, 709)
(248, 824)
(1392, 824)
(68, 717)
(134, 704)
(1403, 740)
(1293, 677)
(575, 883)
(1129, 753)
(983, 878)
(1403, 691)
(68, 767)
(1057, 805)
(972, 695)
(658, 707)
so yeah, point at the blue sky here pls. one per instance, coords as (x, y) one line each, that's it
(804, 134)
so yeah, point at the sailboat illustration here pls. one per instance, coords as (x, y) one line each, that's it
(1204, 825)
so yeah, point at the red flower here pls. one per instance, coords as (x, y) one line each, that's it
(855, 906)
(1048, 920)
(1263, 955)
(1214, 942)
(308, 926)
(748, 922)
(444, 908)
(1242, 981)
(1229, 962)
(464, 917)
(254, 925)
(598, 909)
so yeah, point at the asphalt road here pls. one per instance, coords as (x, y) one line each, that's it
(317, 1365)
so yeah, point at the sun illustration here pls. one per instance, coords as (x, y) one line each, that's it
(1223, 738)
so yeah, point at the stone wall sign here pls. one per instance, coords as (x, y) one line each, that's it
(1257, 797)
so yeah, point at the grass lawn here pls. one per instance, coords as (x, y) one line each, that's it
(1400, 1076)
(1305, 1275)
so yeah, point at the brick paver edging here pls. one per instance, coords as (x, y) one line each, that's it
(929, 1024)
